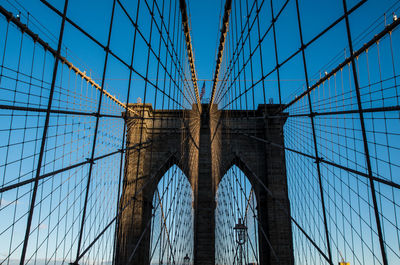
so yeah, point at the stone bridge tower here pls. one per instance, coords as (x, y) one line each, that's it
(204, 146)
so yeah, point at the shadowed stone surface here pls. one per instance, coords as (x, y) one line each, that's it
(204, 146)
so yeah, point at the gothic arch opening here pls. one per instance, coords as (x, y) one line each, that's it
(171, 239)
(236, 199)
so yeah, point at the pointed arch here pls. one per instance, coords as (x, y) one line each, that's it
(236, 199)
(171, 236)
(172, 161)
(237, 161)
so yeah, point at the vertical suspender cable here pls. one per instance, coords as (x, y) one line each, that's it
(43, 143)
(364, 136)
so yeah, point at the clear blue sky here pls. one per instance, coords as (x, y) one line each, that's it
(94, 17)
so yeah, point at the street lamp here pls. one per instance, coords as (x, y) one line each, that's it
(186, 260)
(240, 233)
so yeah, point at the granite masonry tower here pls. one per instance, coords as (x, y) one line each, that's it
(204, 146)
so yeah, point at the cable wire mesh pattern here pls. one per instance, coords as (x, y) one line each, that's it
(235, 199)
(341, 136)
(74, 75)
(172, 224)
(63, 133)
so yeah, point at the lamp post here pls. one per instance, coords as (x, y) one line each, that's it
(186, 260)
(240, 233)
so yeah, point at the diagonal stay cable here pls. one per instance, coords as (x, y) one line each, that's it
(24, 28)
(270, 193)
(322, 160)
(387, 30)
(151, 179)
(123, 207)
(257, 218)
(165, 224)
(87, 161)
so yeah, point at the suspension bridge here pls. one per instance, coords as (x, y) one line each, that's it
(110, 152)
